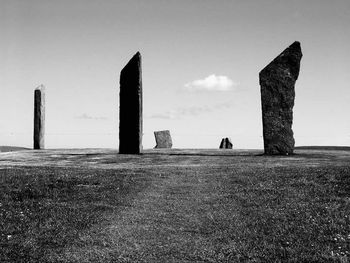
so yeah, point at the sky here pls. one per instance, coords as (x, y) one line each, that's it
(200, 69)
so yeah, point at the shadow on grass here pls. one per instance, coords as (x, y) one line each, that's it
(45, 209)
(199, 152)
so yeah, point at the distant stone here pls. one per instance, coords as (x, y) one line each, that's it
(130, 112)
(163, 139)
(39, 118)
(277, 81)
(226, 143)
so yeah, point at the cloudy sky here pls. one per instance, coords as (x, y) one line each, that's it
(201, 61)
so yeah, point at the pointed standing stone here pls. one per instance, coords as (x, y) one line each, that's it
(39, 117)
(277, 81)
(163, 139)
(226, 143)
(222, 143)
(130, 111)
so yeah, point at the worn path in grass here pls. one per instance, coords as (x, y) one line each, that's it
(212, 206)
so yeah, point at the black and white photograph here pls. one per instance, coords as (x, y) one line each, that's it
(174, 131)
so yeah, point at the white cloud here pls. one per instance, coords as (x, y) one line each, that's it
(169, 115)
(85, 116)
(190, 111)
(211, 83)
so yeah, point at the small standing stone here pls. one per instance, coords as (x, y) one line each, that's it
(277, 81)
(226, 143)
(39, 117)
(130, 112)
(163, 139)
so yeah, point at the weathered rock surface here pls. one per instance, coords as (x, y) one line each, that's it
(130, 112)
(277, 81)
(226, 143)
(39, 117)
(163, 139)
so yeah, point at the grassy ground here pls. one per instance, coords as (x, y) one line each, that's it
(12, 148)
(174, 206)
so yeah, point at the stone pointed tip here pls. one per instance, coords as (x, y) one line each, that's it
(295, 48)
(40, 87)
(135, 60)
(296, 45)
(293, 52)
(137, 55)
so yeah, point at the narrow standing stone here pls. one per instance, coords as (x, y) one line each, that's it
(277, 81)
(163, 139)
(130, 111)
(39, 117)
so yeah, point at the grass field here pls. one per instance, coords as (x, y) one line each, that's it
(12, 148)
(93, 205)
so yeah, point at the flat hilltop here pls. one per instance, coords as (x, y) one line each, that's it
(177, 205)
(110, 159)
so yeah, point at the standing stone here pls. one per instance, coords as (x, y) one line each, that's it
(163, 139)
(130, 112)
(39, 117)
(277, 82)
(226, 143)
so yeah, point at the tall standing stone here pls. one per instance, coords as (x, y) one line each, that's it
(163, 139)
(277, 81)
(130, 111)
(39, 117)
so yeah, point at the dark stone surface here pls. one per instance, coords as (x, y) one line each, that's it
(163, 139)
(130, 112)
(277, 81)
(39, 117)
(226, 143)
